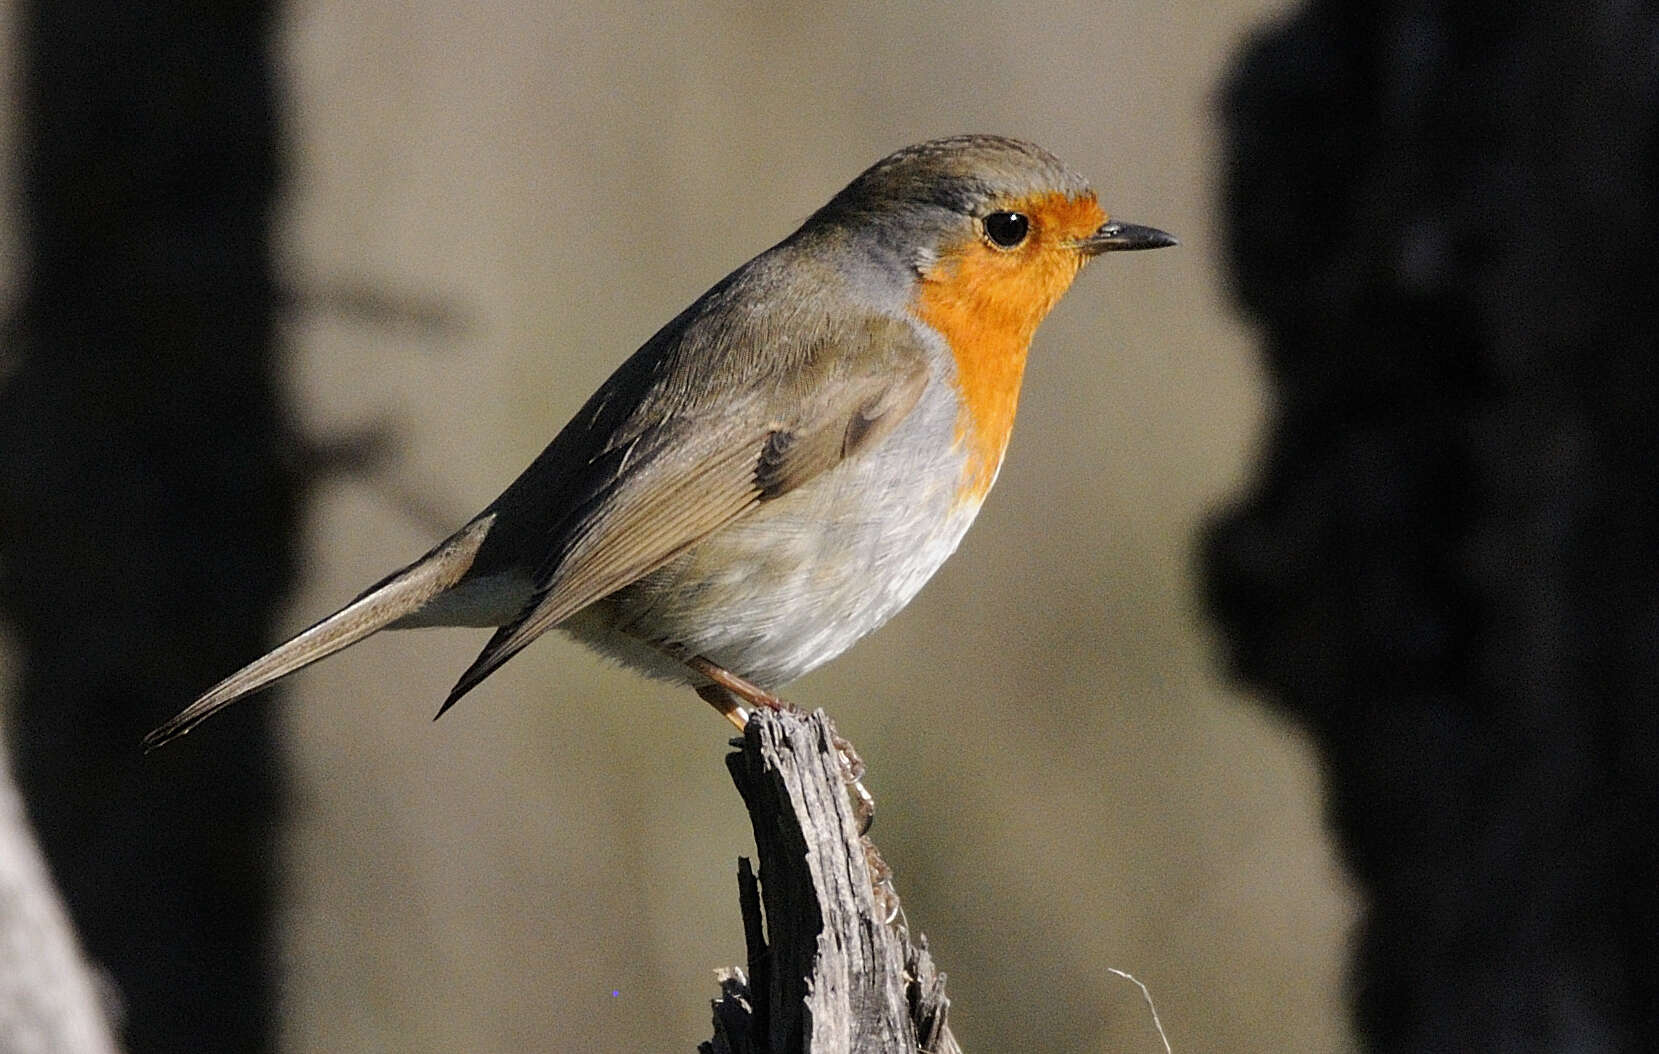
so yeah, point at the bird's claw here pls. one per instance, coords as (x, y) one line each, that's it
(852, 770)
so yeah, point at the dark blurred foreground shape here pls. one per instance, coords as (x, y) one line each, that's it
(1445, 219)
(146, 513)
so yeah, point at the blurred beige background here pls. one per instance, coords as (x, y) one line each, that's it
(1065, 784)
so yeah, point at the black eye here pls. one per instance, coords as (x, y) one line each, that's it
(1007, 229)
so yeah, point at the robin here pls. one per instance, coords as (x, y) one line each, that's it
(780, 469)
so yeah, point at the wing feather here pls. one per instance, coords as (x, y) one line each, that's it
(673, 484)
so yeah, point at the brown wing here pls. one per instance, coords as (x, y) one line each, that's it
(673, 484)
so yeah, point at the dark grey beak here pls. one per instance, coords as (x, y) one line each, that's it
(1117, 237)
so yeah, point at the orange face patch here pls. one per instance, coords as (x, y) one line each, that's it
(986, 302)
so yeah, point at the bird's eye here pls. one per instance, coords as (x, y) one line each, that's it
(1007, 229)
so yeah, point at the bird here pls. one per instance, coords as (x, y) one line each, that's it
(782, 466)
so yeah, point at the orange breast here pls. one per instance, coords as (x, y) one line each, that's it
(987, 302)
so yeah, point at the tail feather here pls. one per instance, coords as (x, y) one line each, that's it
(402, 594)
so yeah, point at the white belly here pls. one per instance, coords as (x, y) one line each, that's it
(798, 581)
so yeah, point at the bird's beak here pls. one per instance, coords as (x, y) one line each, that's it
(1116, 236)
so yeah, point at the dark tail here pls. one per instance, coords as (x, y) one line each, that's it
(402, 594)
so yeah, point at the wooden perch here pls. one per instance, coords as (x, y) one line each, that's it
(831, 969)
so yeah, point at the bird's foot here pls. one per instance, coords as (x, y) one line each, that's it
(852, 770)
(729, 692)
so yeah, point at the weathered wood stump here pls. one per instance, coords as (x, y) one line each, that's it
(832, 968)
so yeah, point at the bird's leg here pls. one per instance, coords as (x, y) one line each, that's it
(740, 687)
(725, 702)
(724, 694)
